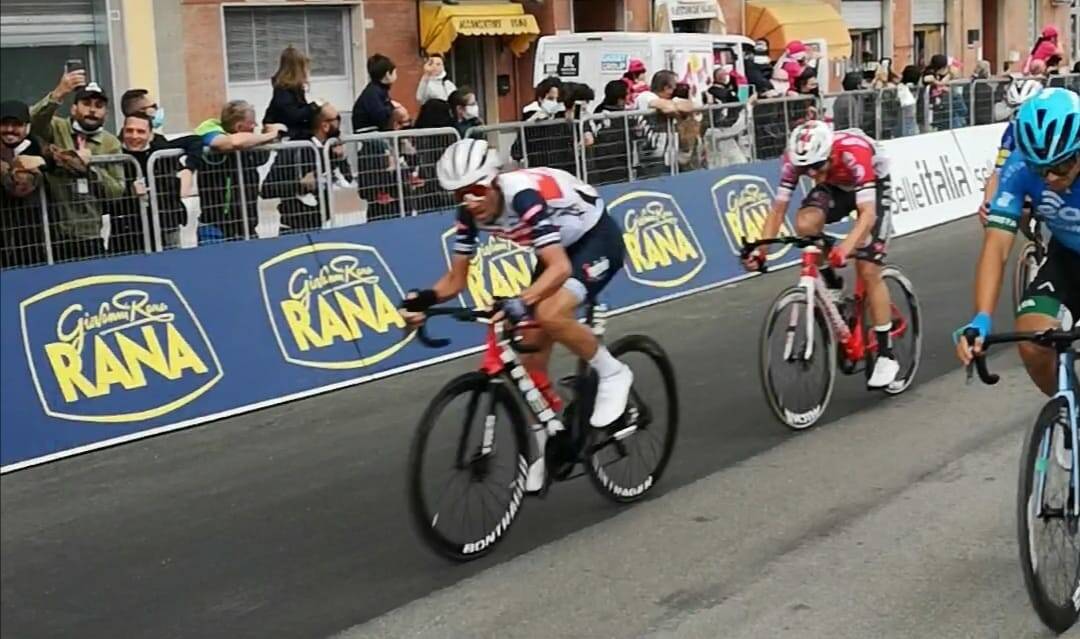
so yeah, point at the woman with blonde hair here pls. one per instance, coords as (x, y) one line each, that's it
(289, 105)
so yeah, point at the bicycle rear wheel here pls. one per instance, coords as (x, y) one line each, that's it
(625, 464)
(467, 477)
(797, 387)
(1024, 271)
(1050, 542)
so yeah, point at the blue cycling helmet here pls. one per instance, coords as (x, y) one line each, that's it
(1048, 127)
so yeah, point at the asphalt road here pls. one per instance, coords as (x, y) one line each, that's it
(291, 522)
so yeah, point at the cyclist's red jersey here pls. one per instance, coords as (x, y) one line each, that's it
(855, 163)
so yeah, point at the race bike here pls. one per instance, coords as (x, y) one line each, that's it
(1048, 500)
(809, 334)
(470, 456)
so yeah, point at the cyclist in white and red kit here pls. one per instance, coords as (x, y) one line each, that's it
(850, 174)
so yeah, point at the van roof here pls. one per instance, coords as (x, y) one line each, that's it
(643, 35)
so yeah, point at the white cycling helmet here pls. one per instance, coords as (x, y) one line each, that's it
(810, 143)
(1021, 91)
(467, 162)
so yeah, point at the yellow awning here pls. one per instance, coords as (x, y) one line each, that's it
(781, 21)
(441, 23)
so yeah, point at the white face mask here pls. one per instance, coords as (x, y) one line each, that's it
(551, 107)
(472, 111)
(780, 85)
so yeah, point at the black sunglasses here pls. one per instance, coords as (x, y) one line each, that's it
(1061, 168)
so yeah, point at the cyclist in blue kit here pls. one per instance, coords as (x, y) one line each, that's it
(1019, 92)
(1043, 169)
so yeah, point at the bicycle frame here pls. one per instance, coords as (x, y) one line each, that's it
(850, 338)
(1066, 390)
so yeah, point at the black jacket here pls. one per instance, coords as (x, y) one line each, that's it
(291, 108)
(372, 108)
(284, 182)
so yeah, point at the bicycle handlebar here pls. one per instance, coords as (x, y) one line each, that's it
(1058, 340)
(463, 314)
(823, 242)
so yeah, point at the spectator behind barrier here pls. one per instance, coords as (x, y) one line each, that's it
(658, 143)
(172, 176)
(76, 187)
(22, 237)
(983, 93)
(383, 175)
(373, 108)
(634, 79)
(575, 98)
(607, 158)
(225, 170)
(1045, 47)
(434, 85)
(139, 101)
(465, 111)
(289, 105)
(294, 176)
(434, 114)
(543, 143)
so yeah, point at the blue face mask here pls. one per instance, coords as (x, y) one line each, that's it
(158, 120)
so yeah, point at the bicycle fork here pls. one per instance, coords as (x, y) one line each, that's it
(1067, 391)
(812, 284)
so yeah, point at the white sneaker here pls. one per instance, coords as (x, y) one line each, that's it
(885, 371)
(537, 474)
(611, 395)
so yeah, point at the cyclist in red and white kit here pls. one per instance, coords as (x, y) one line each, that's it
(850, 174)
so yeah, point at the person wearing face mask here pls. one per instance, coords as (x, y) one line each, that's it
(22, 162)
(77, 186)
(293, 178)
(542, 141)
(607, 158)
(373, 108)
(465, 109)
(434, 84)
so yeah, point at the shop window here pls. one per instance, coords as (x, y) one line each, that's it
(929, 41)
(865, 47)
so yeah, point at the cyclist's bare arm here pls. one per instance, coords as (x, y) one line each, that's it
(557, 270)
(988, 194)
(775, 218)
(454, 281)
(997, 245)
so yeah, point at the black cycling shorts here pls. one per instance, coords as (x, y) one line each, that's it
(594, 259)
(1056, 286)
(838, 203)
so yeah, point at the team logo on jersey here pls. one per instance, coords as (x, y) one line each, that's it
(500, 268)
(742, 204)
(661, 247)
(1053, 208)
(333, 305)
(116, 348)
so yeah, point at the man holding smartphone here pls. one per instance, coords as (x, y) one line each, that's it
(77, 188)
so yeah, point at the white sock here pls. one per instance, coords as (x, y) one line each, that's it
(604, 363)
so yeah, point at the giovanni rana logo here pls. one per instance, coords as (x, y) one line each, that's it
(500, 268)
(661, 248)
(331, 305)
(743, 203)
(116, 348)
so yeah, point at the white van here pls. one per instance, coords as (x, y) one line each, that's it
(598, 58)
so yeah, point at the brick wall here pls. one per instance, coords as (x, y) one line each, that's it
(903, 40)
(204, 58)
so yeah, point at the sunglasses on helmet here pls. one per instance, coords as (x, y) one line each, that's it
(817, 166)
(1060, 168)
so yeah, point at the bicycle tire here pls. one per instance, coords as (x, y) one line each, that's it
(1058, 618)
(1024, 271)
(801, 420)
(595, 467)
(424, 518)
(906, 376)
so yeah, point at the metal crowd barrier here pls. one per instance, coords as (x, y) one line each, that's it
(382, 175)
(297, 186)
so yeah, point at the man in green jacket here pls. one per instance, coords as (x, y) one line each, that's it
(76, 187)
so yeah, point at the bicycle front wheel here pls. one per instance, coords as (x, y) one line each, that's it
(798, 371)
(906, 329)
(626, 461)
(1047, 522)
(1024, 271)
(467, 467)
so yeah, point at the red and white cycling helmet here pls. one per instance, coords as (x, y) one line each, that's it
(810, 143)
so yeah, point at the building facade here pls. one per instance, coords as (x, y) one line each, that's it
(196, 54)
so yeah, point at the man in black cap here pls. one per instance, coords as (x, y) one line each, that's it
(77, 186)
(21, 165)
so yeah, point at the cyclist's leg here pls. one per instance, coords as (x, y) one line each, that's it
(870, 256)
(813, 211)
(1051, 296)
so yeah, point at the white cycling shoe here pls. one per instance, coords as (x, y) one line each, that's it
(612, 394)
(534, 481)
(885, 371)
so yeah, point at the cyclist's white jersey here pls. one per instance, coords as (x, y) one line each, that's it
(542, 206)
